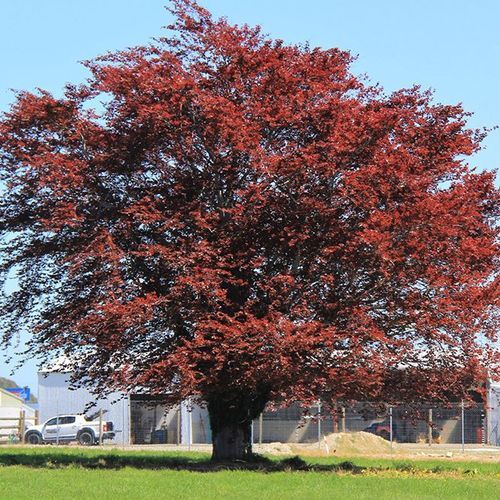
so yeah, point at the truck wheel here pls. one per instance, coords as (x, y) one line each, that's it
(86, 438)
(34, 438)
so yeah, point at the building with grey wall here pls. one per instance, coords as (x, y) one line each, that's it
(142, 419)
(137, 419)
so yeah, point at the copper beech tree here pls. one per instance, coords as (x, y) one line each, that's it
(225, 217)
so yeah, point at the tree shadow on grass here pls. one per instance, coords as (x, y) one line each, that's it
(259, 463)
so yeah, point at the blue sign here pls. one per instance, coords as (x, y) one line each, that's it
(20, 392)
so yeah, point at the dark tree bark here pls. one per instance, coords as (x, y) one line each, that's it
(231, 417)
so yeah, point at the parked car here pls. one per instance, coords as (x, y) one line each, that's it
(383, 430)
(66, 428)
(403, 434)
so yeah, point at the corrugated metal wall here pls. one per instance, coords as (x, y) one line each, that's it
(494, 414)
(190, 424)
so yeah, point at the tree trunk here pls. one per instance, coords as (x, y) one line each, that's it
(231, 417)
(232, 442)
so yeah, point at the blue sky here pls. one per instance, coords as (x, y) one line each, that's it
(452, 46)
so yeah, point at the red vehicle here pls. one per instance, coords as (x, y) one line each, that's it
(383, 430)
(403, 434)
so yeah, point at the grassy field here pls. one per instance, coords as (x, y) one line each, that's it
(67, 473)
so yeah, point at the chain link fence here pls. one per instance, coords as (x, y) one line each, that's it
(152, 423)
(431, 424)
(457, 423)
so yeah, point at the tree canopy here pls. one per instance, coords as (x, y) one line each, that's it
(223, 215)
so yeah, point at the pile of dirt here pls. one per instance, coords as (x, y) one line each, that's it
(274, 448)
(354, 443)
(346, 443)
(341, 443)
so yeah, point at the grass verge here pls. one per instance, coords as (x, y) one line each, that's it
(71, 473)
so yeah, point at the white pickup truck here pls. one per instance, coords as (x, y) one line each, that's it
(66, 428)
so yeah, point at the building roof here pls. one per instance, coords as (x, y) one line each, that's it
(15, 397)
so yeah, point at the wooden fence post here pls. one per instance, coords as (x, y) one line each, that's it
(100, 427)
(261, 425)
(429, 427)
(22, 425)
(178, 426)
(336, 418)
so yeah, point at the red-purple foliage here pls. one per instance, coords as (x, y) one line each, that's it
(224, 215)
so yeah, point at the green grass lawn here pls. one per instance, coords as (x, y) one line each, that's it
(67, 473)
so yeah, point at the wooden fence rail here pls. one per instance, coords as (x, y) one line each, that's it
(17, 426)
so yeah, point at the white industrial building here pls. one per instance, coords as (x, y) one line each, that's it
(493, 409)
(139, 419)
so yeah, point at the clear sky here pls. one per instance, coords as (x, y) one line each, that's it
(452, 46)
